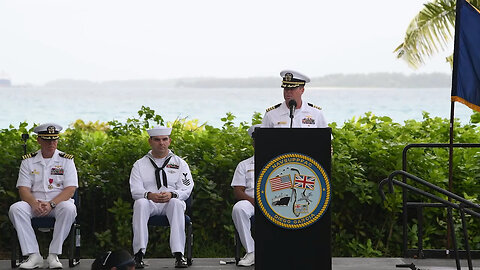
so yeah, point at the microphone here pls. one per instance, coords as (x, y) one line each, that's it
(292, 104)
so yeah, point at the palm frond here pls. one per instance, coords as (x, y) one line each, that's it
(428, 33)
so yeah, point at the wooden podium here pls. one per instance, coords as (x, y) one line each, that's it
(292, 195)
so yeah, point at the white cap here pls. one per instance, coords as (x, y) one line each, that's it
(292, 78)
(252, 129)
(159, 131)
(48, 131)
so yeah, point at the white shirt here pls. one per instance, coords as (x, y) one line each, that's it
(244, 176)
(179, 178)
(47, 179)
(308, 116)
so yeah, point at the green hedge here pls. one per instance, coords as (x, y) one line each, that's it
(365, 150)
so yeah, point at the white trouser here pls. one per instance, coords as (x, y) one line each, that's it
(175, 212)
(20, 214)
(241, 213)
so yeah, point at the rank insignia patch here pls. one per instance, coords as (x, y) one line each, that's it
(185, 180)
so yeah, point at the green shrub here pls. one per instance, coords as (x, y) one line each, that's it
(365, 150)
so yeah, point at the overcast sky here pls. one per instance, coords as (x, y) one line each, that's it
(102, 40)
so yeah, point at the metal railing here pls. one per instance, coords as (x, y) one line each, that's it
(463, 206)
(419, 206)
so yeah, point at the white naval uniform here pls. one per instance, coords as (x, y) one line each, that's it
(308, 116)
(35, 173)
(142, 180)
(243, 210)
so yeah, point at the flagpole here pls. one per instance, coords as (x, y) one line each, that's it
(450, 168)
(450, 148)
(452, 113)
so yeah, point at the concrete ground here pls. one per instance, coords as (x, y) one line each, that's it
(338, 264)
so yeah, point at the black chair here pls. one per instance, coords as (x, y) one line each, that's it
(238, 243)
(42, 223)
(162, 220)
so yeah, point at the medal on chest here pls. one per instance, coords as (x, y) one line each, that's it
(50, 182)
(58, 170)
(308, 120)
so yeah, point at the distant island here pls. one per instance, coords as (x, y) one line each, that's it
(370, 80)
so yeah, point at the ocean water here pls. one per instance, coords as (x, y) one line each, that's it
(65, 105)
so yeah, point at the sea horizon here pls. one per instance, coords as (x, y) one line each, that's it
(209, 105)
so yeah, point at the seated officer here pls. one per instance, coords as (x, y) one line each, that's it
(116, 260)
(46, 184)
(243, 189)
(160, 182)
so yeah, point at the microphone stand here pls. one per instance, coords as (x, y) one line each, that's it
(292, 104)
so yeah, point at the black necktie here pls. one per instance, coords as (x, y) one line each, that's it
(157, 172)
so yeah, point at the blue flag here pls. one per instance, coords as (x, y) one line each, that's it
(466, 56)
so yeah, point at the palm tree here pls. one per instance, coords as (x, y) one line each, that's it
(429, 32)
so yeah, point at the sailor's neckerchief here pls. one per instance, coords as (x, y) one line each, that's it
(160, 169)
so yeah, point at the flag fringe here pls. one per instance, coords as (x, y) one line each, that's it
(470, 105)
(473, 6)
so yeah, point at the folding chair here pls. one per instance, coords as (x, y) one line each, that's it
(162, 220)
(41, 223)
(238, 243)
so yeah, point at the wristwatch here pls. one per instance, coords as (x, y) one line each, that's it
(174, 195)
(52, 204)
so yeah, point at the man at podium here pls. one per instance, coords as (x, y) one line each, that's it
(293, 112)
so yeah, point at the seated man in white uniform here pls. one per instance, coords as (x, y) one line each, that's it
(305, 115)
(46, 183)
(160, 182)
(243, 189)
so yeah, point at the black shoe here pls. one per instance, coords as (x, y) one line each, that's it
(180, 261)
(139, 260)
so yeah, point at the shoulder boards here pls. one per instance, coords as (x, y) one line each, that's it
(314, 106)
(29, 155)
(65, 155)
(274, 107)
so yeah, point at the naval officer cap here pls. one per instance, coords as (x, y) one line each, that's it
(251, 130)
(48, 131)
(159, 131)
(293, 79)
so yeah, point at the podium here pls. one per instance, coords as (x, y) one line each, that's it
(292, 195)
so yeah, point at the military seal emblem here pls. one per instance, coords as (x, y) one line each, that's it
(293, 191)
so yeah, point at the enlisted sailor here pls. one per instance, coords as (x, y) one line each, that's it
(46, 184)
(305, 115)
(160, 182)
(243, 189)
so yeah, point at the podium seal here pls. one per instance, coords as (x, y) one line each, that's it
(293, 191)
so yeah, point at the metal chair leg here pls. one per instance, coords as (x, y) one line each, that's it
(238, 247)
(189, 243)
(74, 252)
(16, 256)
